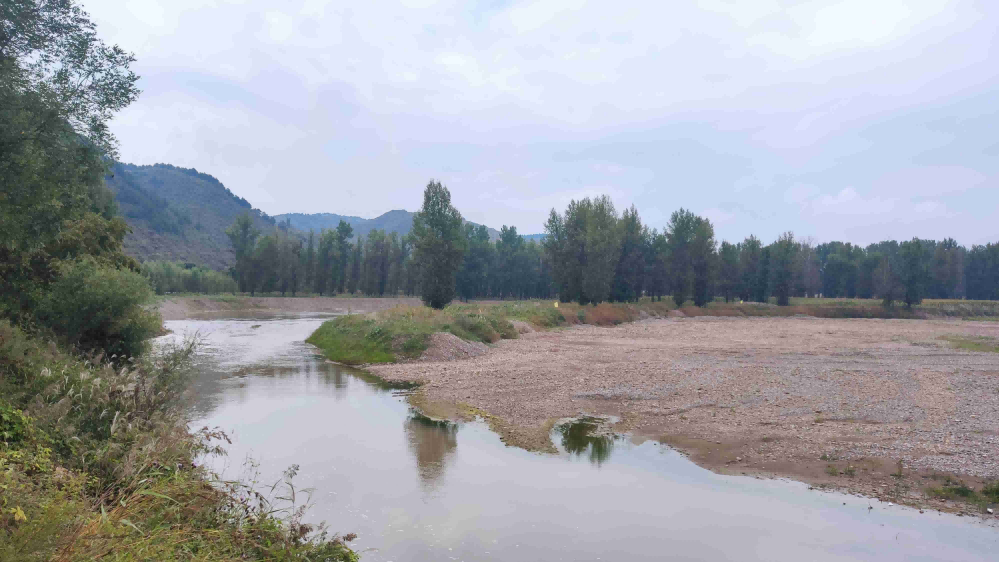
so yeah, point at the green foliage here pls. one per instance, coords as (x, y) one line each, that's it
(584, 246)
(13, 424)
(179, 214)
(783, 255)
(99, 308)
(439, 245)
(168, 277)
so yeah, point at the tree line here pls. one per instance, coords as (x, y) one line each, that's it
(591, 254)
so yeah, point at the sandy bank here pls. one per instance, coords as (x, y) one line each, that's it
(179, 308)
(837, 402)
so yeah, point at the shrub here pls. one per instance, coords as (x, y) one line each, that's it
(100, 309)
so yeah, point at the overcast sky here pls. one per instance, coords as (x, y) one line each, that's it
(854, 120)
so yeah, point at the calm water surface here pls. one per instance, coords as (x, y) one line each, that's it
(414, 489)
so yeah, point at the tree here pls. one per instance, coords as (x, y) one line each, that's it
(631, 266)
(728, 274)
(356, 258)
(477, 268)
(243, 236)
(602, 248)
(344, 232)
(703, 258)
(309, 265)
(783, 258)
(439, 245)
(914, 271)
(59, 87)
(510, 263)
(754, 278)
(680, 232)
(887, 284)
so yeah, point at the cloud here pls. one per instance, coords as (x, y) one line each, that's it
(849, 202)
(759, 106)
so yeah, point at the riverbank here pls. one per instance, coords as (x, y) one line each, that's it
(886, 408)
(193, 306)
(96, 462)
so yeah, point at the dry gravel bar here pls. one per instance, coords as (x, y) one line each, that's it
(776, 396)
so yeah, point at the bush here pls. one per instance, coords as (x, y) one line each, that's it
(99, 309)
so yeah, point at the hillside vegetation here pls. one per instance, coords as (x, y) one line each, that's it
(179, 214)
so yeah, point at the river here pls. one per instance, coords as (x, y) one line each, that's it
(414, 489)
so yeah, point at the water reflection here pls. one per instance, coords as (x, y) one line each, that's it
(403, 483)
(432, 443)
(579, 438)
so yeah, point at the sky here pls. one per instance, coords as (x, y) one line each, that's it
(853, 120)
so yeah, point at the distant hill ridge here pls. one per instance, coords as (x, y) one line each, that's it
(181, 214)
(398, 221)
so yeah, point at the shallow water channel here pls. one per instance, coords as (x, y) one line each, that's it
(414, 489)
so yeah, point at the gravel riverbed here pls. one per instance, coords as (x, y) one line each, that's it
(801, 397)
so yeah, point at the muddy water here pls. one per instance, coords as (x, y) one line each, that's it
(415, 489)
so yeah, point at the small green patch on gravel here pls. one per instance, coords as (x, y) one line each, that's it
(973, 343)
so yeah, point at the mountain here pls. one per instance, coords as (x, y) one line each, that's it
(397, 221)
(179, 214)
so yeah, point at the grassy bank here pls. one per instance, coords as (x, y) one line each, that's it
(96, 462)
(403, 332)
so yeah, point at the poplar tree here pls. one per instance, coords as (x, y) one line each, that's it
(439, 245)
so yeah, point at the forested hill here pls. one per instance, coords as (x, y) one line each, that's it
(179, 214)
(398, 221)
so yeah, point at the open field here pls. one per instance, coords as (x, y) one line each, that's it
(828, 401)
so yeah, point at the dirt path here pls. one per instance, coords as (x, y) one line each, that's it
(830, 402)
(179, 308)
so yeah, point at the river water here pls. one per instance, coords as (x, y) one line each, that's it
(414, 489)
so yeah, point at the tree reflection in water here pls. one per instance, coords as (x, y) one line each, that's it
(578, 439)
(432, 442)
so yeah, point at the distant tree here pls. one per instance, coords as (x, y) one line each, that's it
(808, 275)
(982, 272)
(356, 259)
(439, 245)
(632, 268)
(703, 261)
(729, 279)
(602, 248)
(266, 264)
(914, 271)
(657, 256)
(887, 284)
(783, 260)
(556, 246)
(309, 265)
(510, 263)
(754, 278)
(680, 233)
(325, 262)
(344, 232)
(477, 267)
(243, 236)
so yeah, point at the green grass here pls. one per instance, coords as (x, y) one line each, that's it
(96, 463)
(957, 491)
(404, 332)
(971, 343)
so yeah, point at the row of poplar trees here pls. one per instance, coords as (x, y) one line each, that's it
(590, 253)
